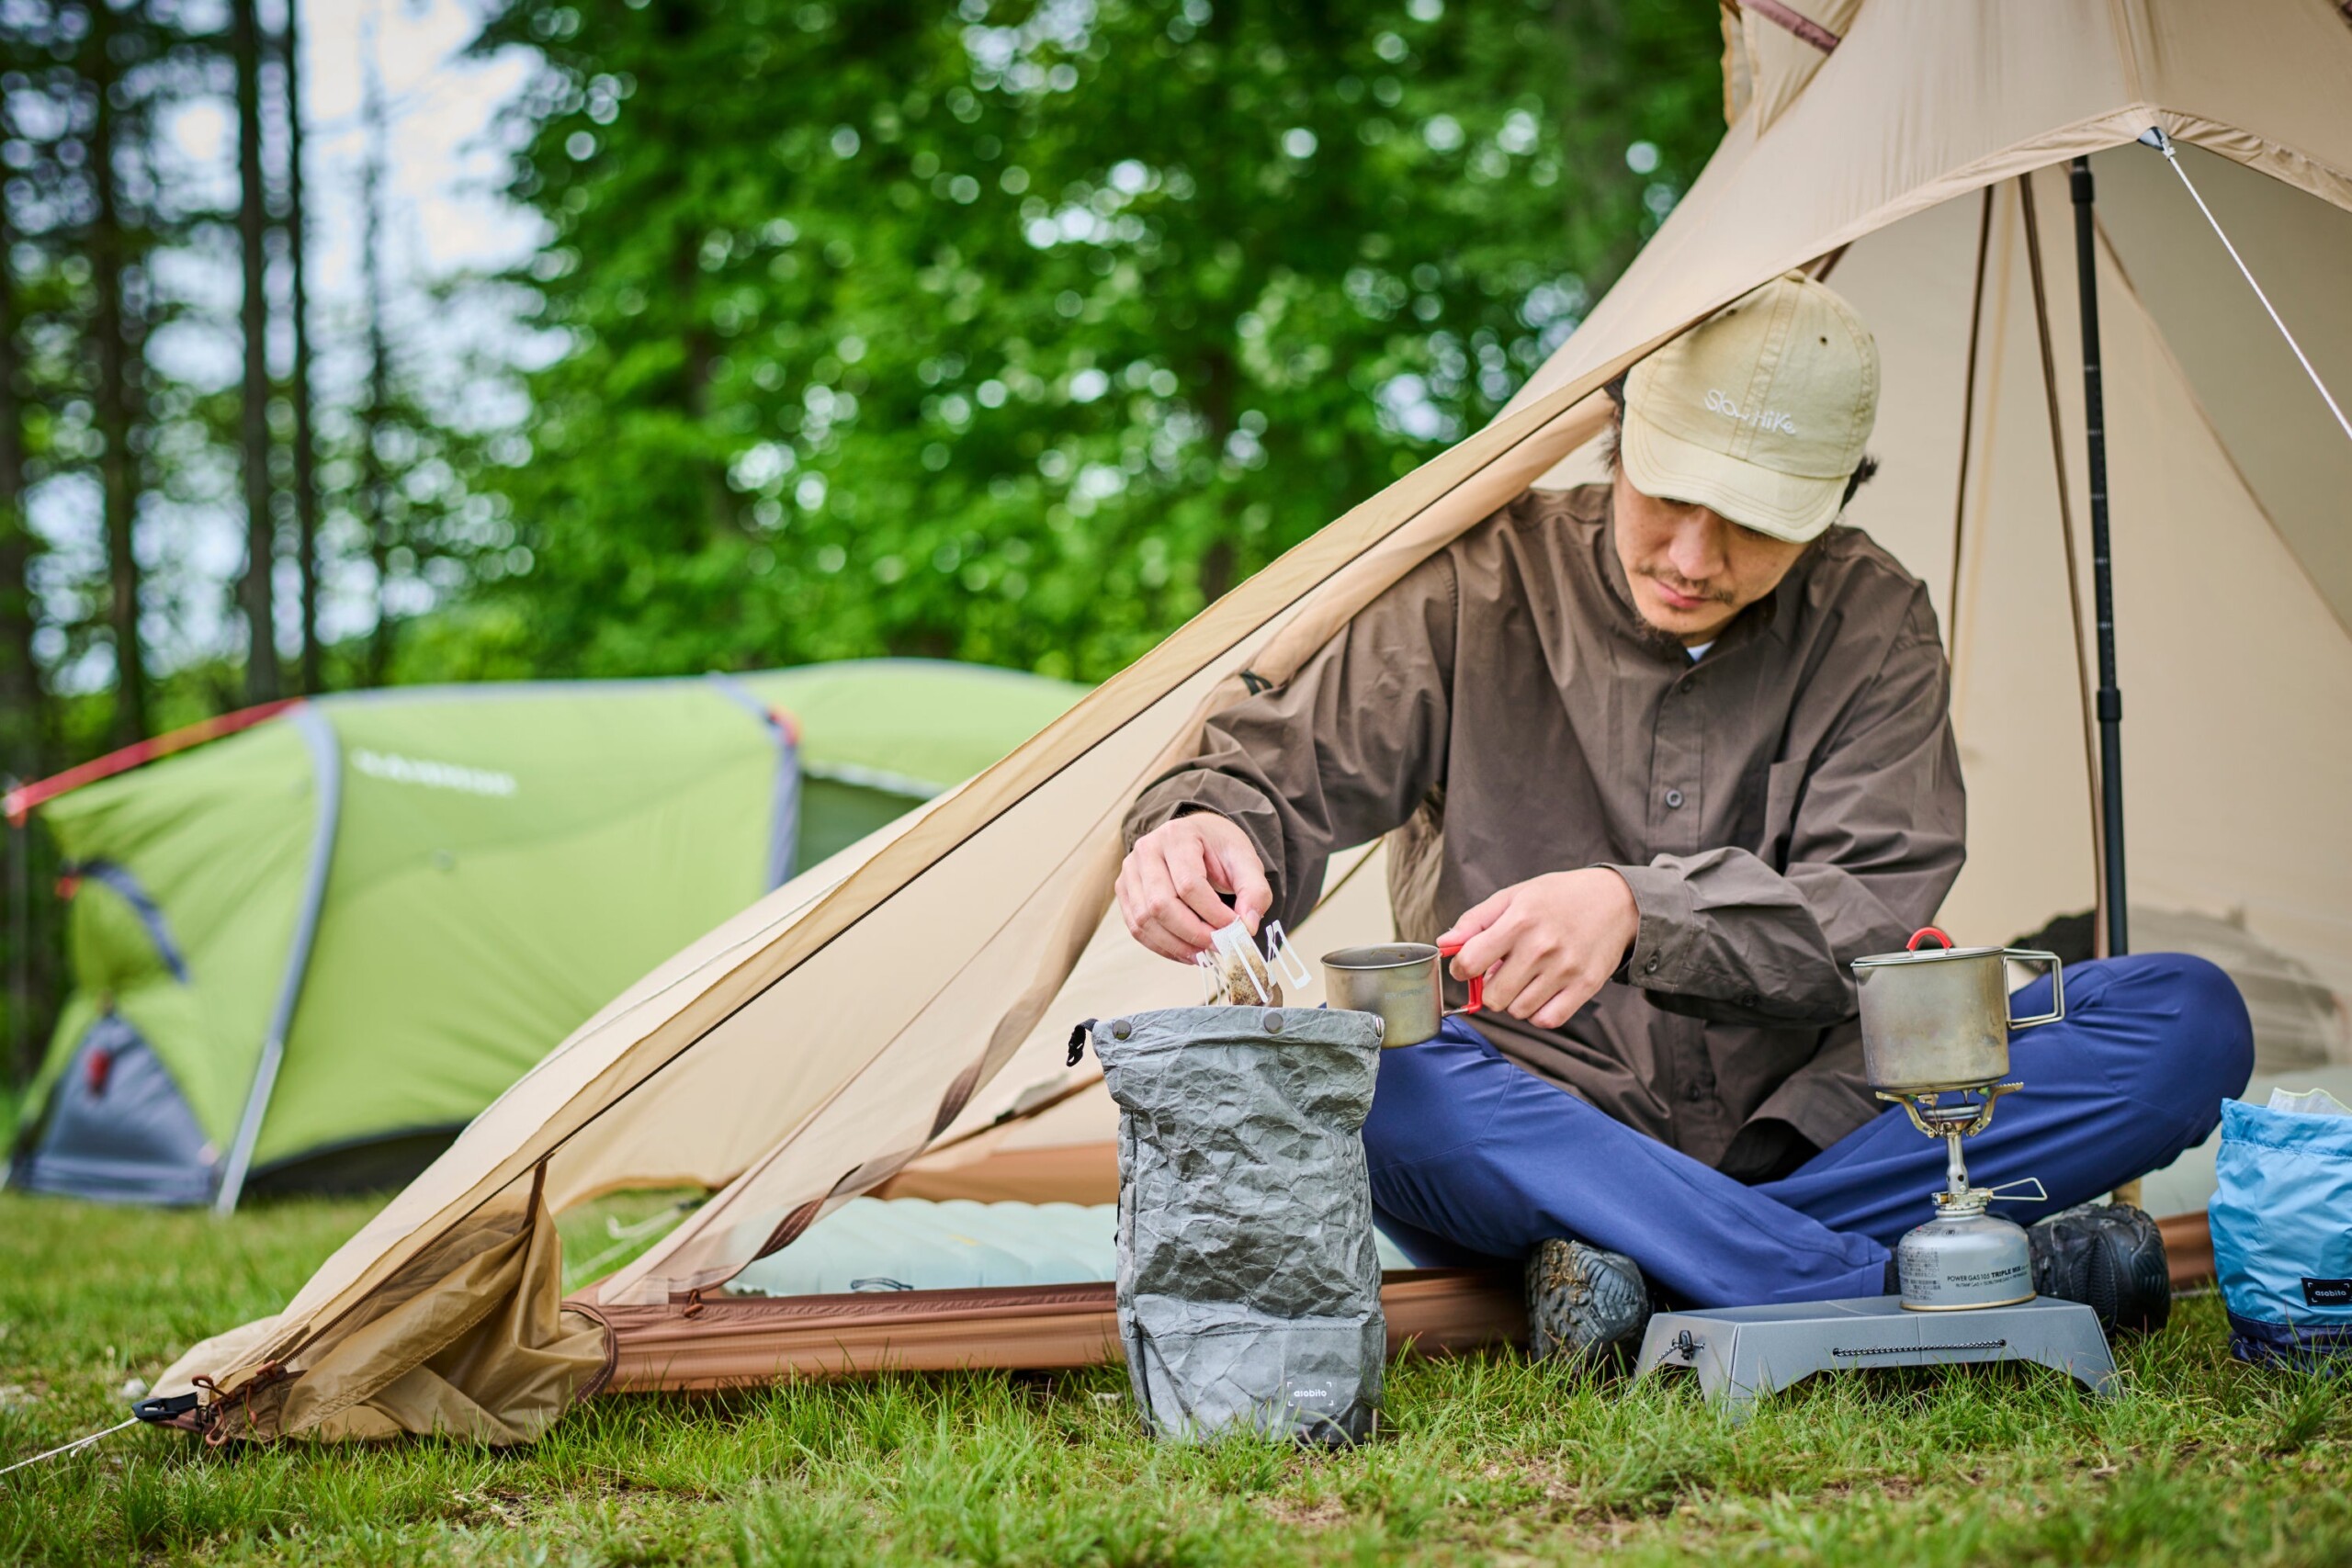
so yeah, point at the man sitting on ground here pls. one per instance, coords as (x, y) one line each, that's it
(1675, 750)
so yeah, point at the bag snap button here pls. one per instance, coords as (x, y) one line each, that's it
(1273, 1022)
(1121, 1029)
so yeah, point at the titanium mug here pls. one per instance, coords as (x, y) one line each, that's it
(1397, 982)
(1939, 1020)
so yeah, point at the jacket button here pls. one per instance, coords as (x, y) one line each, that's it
(1674, 800)
(1651, 967)
(1696, 1093)
(1685, 685)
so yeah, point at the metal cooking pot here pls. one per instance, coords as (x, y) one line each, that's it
(1940, 1019)
(1398, 981)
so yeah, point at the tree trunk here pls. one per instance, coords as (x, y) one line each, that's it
(372, 484)
(23, 704)
(261, 682)
(24, 716)
(23, 701)
(681, 21)
(699, 357)
(306, 482)
(115, 392)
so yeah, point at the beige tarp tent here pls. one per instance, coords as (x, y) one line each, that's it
(812, 1049)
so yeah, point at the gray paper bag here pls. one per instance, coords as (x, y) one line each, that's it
(1248, 1286)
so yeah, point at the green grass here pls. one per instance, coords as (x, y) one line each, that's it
(1492, 1461)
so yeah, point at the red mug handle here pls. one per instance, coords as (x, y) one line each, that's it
(1478, 982)
(1925, 931)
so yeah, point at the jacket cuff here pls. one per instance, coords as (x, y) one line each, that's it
(1204, 789)
(1663, 948)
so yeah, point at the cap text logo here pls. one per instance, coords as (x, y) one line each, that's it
(1728, 406)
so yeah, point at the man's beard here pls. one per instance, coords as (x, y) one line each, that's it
(1658, 639)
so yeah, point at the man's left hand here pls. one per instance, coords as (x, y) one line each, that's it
(1548, 945)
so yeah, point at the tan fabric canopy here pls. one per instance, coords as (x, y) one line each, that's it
(813, 1047)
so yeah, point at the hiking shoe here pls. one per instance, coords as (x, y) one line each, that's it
(2108, 1256)
(1581, 1301)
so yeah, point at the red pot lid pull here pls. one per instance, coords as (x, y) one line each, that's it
(1922, 934)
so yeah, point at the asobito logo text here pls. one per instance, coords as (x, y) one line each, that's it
(431, 775)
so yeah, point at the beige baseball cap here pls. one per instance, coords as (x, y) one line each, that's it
(1759, 412)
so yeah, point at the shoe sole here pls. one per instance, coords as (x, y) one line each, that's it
(2131, 1271)
(1579, 1303)
(2124, 1277)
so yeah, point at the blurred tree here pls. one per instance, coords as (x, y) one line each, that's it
(117, 333)
(1019, 332)
(304, 475)
(24, 701)
(374, 491)
(257, 592)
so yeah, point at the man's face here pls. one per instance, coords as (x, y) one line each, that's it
(1692, 571)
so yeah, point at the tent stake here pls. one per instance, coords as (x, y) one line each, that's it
(2111, 699)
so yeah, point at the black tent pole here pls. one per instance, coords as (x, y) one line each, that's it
(2110, 700)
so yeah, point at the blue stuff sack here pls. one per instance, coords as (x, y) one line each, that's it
(2281, 1217)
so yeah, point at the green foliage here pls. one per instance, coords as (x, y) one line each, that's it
(1019, 332)
(2203, 1461)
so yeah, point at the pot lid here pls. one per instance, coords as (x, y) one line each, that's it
(1915, 953)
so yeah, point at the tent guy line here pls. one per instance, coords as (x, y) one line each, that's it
(2154, 137)
(63, 1448)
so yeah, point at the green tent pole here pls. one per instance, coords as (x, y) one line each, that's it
(326, 763)
(783, 821)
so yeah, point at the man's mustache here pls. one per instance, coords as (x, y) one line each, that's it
(1687, 590)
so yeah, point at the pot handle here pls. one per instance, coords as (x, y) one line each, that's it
(2057, 987)
(1478, 984)
(1922, 934)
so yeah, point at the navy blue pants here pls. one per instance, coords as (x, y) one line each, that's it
(1474, 1159)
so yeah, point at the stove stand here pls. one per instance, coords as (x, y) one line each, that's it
(1742, 1353)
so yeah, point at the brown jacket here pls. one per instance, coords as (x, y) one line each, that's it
(1789, 801)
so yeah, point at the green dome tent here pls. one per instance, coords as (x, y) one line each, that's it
(305, 956)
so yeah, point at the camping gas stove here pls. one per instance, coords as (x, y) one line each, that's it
(1935, 1040)
(1965, 1257)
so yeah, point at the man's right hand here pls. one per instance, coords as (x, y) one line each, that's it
(1168, 888)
